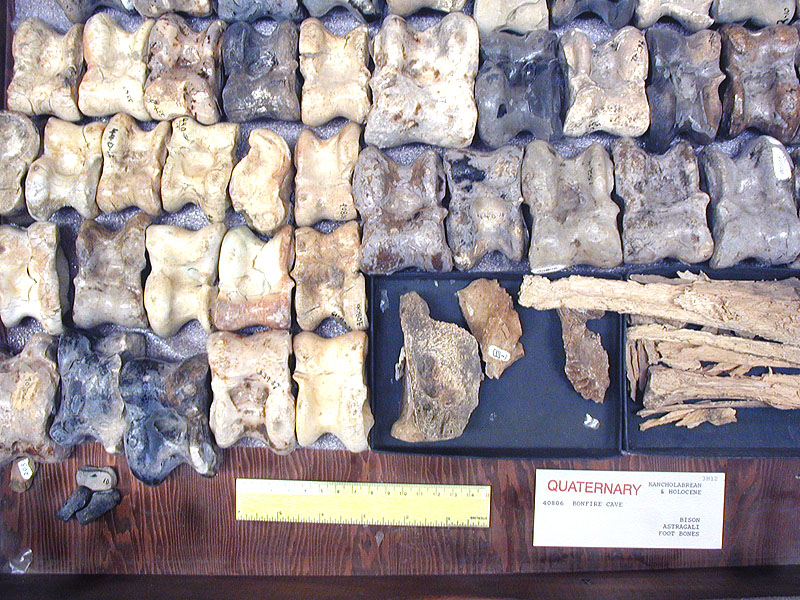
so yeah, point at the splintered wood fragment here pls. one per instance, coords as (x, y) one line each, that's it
(692, 417)
(666, 386)
(649, 412)
(586, 364)
(769, 309)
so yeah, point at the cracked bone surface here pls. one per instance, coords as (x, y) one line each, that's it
(684, 86)
(616, 13)
(665, 210)
(606, 83)
(67, 172)
(363, 10)
(332, 392)
(335, 73)
(252, 389)
(19, 146)
(762, 91)
(28, 386)
(261, 73)
(402, 213)
(692, 14)
(423, 83)
(35, 276)
(184, 73)
(198, 167)
(47, 69)
(133, 161)
(758, 12)
(574, 217)
(108, 286)
(323, 186)
(182, 281)
(252, 10)
(520, 87)
(586, 364)
(261, 183)
(157, 8)
(490, 315)
(78, 11)
(328, 281)
(254, 283)
(484, 213)
(91, 406)
(519, 16)
(116, 68)
(753, 210)
(442, 375)
(167, 406)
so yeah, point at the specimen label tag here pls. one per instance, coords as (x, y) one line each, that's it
(622, 509)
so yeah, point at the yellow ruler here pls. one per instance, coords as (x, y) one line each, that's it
(403, 504)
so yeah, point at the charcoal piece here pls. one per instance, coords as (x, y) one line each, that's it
(586, 363)
(91, 406)
(485, 199)
(97, 479)
(78, 11)
(168, 406)
(684, 86)
(758, 12)
(762, 90)
(753, 210)
(184, 74)
(692, 14)
(606, 83)
(519, 16)
(99, 504)
(442, 375)
(423, 84)
(665, 211)
(616, 13)
(574, 217)
(520, 87)
(77, 501)
(252, 10)
(402, 213)
(364, 10)
(156, 8)
(261, 73)
(108, 286)
(19, 146)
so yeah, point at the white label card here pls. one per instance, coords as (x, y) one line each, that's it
(626, 509)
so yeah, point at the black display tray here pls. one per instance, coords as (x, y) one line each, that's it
(758, 432)
(532, 411)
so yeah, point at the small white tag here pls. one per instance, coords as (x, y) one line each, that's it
(25, 468)
(621, 509)
(499, 354)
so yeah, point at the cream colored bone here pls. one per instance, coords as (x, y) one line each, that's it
(19, 146)
(692, 14)
(156, 8)
(520, 16)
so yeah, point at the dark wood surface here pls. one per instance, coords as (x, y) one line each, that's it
(187, 525)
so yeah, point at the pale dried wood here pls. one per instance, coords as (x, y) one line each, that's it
(692, 417)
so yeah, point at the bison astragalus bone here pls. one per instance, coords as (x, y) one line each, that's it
(78, 11)
(442, 375)
(402, 212)
(182, 281)
(116, 68)
(363, 10)
(252, 10)
(156, 8)
(35, 276)
(574, 217)
(19, 146)
(324, 181)
(91, 405)
(199, 165)
(757, 12)
(252, 389)
(184, 77)
(261, 184)
(332, 395)
(254, 283)
(665, 211)
(28, 386)
(328, 281)
(167, 406)
(519, 16)
(132, 164)
(753, 210)
(586, 364)
(423, 83)
(409, 7)
(335, 73)
(490, 315)
(616, 13)
(47, 69)
(108, 286)
(67, 172)
(485, 198)
(692, 14)
(262, 73)
(606, 83)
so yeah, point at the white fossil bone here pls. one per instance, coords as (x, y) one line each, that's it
(19, 146)
(519, 16)
(408, 7)
(692, 14)
(156, 8)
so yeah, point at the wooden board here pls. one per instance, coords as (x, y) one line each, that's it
(187, 525)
